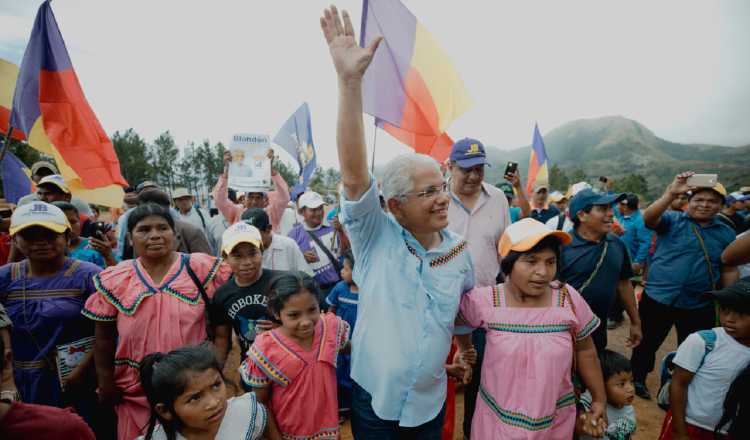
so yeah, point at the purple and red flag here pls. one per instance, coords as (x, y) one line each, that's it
(49, 107)
(411, 86)
(538, 173)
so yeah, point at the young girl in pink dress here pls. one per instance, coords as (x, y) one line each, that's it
(538, 330)
(293, 367)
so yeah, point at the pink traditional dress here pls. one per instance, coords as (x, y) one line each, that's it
(151, 318)
(303, 382)
(526, 390)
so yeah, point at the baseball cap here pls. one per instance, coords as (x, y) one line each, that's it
(43, 164)
(538, 187)
(256, 217)
(180, 192)
(557, 196)
(630, 200)
(745, 189)
(145, 184)
(589, 197)
(55, 180)
(718, 189)
(576, 188)
(38, 214)
(311, 200)
(468, 153)
(737, 197)
(737, 294)
(507, 188)
(525, 234)
(240, 232)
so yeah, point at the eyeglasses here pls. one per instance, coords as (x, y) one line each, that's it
(430, 192)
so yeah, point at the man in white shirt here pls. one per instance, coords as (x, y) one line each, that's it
(184, 202)
(279, 252)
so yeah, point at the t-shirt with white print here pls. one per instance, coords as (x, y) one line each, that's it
(706, 392)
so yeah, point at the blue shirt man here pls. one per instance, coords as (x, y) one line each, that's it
(596, 262)
(408, 301)
(637, 237)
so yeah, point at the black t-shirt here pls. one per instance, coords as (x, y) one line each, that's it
(242, 306)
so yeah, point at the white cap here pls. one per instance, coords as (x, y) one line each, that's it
(56, 180)
(311, 200)
(525, 234)
(240, 232)
(576, 188)
(38, 214)
(180, 192)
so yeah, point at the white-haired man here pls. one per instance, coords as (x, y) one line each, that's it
(411, 270)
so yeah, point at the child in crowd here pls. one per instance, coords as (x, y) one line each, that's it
(188, 398)
(79, 247)
(293, 367)
(342, 301)
(703, 374)
(618, 383)
(242, 301)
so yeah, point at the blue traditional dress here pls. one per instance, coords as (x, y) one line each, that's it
(46, 313)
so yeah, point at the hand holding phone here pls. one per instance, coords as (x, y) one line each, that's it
(702, 180)
(510, 169)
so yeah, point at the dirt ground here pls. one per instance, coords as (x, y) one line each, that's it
(649, 415)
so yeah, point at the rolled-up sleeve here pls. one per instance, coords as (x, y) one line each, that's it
(4, 318)
(364, 220)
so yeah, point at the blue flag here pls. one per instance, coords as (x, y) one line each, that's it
(296, 138)
(16, 181)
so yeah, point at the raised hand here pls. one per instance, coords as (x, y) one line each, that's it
(350, 60)
(679, 184)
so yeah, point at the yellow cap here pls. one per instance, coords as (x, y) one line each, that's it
(240, 232)
(525, 234)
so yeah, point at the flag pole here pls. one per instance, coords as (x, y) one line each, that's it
(374, 143)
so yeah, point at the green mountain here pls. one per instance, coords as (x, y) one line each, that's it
(615, 146)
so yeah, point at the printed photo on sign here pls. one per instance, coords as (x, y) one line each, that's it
(250, 169)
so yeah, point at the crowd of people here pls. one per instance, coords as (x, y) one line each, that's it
(374, 310)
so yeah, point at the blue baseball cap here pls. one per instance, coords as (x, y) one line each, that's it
(468, 153)
(588, 197)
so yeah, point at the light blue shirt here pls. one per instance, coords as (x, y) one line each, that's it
(408, 300)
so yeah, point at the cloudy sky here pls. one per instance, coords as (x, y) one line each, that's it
(210, 69)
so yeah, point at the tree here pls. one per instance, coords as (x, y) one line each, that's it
(632, 183)
(577, 175)
(164, 153)
(558, 179)
(291, 177)
(189, 172)
(134, 155)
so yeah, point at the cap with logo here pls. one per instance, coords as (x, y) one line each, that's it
(240, 232)
(589, 197)
(468, 153)
(311, 200)
(525, 234)
(38, 214)
(179, 193)
(55, 180)
(257, 217)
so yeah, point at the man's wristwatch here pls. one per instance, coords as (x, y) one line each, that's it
(10, 395)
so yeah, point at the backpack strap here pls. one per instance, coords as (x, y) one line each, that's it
(200, 214)
(709, 337)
